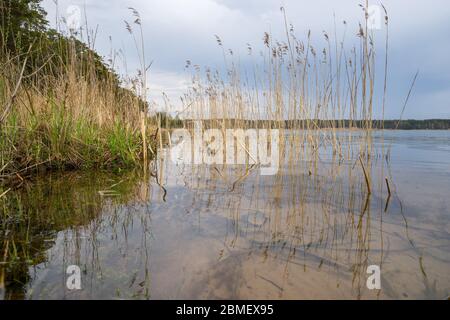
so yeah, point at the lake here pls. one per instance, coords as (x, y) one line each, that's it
(213, 232)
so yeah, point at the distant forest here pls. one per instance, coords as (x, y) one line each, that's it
(428, 124)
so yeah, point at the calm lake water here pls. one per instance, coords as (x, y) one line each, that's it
(181, 232)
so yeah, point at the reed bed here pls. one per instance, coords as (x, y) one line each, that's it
(63, 108)
(320, 203)
(310, 94)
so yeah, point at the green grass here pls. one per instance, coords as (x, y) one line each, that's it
(58, 141)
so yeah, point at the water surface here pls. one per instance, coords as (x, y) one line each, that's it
(214, 232)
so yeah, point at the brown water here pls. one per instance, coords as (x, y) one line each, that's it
(227, 232)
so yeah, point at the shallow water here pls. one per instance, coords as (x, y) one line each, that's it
(181, 232)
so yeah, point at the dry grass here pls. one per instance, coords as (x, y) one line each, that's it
(73, 116)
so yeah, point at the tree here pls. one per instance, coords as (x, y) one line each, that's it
(19, 21)
(24, 33)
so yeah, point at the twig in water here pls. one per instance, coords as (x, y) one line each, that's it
(366, 177)
(388, 187)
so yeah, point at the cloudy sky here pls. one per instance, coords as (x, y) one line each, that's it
(180, 30)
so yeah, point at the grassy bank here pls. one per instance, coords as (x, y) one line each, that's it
(61, 106)
(69, 122)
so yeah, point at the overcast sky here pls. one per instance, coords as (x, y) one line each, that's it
(180, 30)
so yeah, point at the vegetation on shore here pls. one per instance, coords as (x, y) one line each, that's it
(61, 106)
